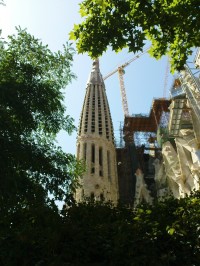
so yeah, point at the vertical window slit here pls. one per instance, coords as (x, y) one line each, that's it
(100, 161)
(85, 151)
(93, 159)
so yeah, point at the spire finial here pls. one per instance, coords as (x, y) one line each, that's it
(95, 64)
(95, 75)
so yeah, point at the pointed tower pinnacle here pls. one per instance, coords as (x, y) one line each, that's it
(95, 76)
(95, 142)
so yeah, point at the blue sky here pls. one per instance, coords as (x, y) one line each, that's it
(51, 21)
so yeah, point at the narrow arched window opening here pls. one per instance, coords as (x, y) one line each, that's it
(93, 159)
(100, 161)
(85, 151)
(92, 196)
(93, 153)
(78, 151)
(101, 197)
(100, 157)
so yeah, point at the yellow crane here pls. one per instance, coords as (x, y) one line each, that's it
(121, 72)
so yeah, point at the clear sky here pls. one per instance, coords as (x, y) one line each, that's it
(51, 21)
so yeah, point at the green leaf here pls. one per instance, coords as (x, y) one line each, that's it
(72, 36)
(131, 23)
(82, 11)
(171, 231)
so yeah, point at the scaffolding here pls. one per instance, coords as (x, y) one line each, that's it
(141, 145)
(191, 86)
(142, 129)
(185, 94)
(142, 135)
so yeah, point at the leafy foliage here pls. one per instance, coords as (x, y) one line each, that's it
(171, 26)
(32, 113)
(34, 172)
(90, 233)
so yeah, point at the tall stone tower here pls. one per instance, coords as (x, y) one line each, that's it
(95, 143)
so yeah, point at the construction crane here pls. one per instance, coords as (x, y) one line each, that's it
(166, 78)
(121, 72)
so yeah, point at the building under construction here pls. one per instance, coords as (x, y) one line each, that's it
(140, 150)
(159, 153)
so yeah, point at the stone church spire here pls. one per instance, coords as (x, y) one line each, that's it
(95, 142)
(95, 76)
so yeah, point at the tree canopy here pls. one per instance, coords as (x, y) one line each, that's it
(32, 113)
(96, 233)
(172, 27)
(34, 171)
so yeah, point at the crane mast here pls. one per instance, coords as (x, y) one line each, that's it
(123, 91)
(120, 71)
(166, 78)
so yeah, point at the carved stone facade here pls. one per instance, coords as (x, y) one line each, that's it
(181, 161)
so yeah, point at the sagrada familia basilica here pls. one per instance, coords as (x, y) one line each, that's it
(159, 154)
